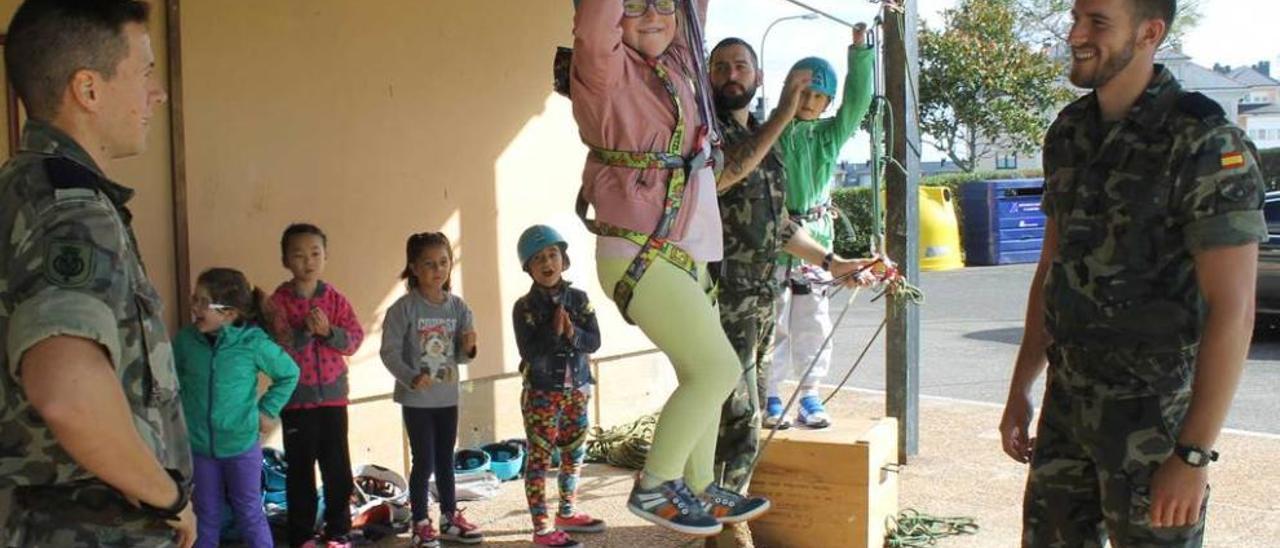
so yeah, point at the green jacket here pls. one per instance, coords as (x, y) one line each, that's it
(219, 386)
(809, 149)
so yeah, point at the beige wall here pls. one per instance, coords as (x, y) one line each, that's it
(375, 120)
(148, 174)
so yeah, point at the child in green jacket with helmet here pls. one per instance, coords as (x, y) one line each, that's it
(809, 147)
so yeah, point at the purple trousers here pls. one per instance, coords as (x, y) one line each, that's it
(238, 481)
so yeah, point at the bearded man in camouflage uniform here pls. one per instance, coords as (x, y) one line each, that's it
(92, 438)
(1142, 304)
(756, 230)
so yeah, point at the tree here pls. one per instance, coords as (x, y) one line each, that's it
(1047, 22)
(980, 82)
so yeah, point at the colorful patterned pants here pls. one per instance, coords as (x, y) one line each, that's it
(554, 421)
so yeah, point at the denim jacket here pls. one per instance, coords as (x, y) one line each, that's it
(545, 356)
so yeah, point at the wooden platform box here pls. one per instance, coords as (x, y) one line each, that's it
(830, 488)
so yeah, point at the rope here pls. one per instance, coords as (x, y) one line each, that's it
(856, 363)
(914, 529)
(625, 445)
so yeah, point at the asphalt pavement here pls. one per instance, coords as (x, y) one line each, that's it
(970, 327)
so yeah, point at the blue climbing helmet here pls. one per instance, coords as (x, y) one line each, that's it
(535, 239)
(505, 459)
(470, 461)
(824, 75)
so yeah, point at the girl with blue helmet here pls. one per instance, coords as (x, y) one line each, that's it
(556, 332)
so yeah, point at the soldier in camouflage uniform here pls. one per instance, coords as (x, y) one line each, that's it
(1142, 305)
(92, 438)
(757, 229)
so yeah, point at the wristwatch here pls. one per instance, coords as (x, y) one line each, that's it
(173, 511)
(1194, 456)
(826, 260)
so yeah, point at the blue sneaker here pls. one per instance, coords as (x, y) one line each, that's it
(730, 507)
(673, 506)
(812, 414)
(773, 419)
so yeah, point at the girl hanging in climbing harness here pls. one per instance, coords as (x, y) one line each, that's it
(650, 179)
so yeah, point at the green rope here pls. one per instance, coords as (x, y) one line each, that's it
(913, 529)
(625, 445)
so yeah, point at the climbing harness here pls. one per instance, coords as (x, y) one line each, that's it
(655, 244)
(913, 529)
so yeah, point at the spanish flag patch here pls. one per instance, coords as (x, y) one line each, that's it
(1232, 159)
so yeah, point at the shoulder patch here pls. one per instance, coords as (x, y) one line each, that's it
(68, 263)
(1200, 106)
(65, 173)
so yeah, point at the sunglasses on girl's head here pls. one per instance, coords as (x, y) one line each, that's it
(636, 8)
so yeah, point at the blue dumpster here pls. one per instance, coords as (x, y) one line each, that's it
(1003, 223)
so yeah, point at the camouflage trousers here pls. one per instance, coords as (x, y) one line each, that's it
(86, 517)
(748, 321)
(1095, 455)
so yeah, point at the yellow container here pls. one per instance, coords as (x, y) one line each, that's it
(939, 231)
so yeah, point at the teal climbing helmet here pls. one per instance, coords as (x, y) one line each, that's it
(535, 239)
(506, 459)
(824, 75)
(470, 461)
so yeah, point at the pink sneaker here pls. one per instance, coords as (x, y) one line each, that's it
(580, 522)
(557, 539)
(454, 527)
(424, 535)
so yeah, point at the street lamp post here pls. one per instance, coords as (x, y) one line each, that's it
(807, 17)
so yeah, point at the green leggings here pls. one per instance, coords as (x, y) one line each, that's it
(673, 310)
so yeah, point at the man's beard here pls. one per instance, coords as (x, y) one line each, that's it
(1108, 69)
(731, 103)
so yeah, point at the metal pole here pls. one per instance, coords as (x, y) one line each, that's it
(763, 92)
(902, 347)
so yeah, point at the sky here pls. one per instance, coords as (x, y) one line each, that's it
(1231, 32)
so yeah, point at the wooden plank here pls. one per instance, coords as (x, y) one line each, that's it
(902, 231)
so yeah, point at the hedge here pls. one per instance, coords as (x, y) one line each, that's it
(855, 202)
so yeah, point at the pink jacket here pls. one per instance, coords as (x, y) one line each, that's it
(620, 104)
(323, 364)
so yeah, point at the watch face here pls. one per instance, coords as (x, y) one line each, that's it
(1195, 458)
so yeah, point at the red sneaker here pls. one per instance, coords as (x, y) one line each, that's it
(556, 539)
(424, 535)
(454, 527)
(579, 522)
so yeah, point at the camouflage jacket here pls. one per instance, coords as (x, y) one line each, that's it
(753, 213)
(69, 266)
(1132, 204)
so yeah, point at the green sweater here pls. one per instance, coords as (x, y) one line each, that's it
(809, 149)
(219, 386)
